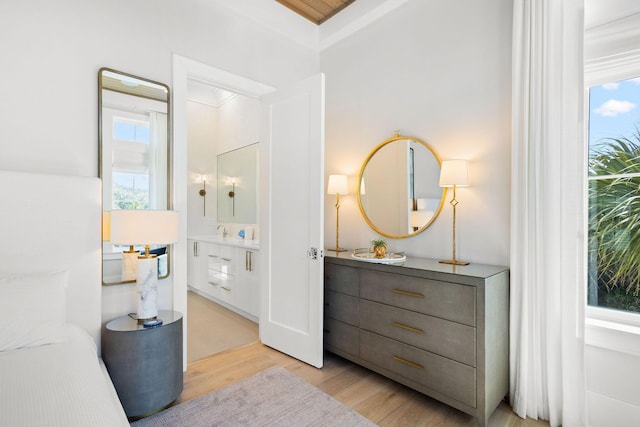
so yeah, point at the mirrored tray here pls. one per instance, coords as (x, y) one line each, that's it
(367, 255)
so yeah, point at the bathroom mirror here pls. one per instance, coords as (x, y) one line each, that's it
(397, 191)
(133, 158)
(238, 185)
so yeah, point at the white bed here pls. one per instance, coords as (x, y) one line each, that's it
(50, 304)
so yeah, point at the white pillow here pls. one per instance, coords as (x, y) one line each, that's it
(32, 309)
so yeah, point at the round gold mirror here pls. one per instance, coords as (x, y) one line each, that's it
(398, 192)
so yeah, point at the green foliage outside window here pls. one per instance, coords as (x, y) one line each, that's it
(130, 198)
(614, 223)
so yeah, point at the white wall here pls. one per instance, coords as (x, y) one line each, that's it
(51, 53)
(202, 154)
(439, 71)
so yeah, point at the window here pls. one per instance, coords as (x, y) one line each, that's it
(131, 163)
(614, 195)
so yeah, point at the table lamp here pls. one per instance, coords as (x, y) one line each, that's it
(454, 173)
(337, 185)
(145, 227)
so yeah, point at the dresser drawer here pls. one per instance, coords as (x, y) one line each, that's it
(443, 375)
(341, 336)
(341, 307)
(441, 299)
(342, 279)
(449, 339)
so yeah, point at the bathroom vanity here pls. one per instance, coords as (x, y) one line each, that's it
(439, 329)
(226, 271)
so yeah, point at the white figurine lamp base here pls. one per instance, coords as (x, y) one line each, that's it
(147, 287)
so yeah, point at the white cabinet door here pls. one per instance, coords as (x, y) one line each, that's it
(292, 220)
(247, 282)
(197, 264)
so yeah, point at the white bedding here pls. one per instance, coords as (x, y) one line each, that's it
(61, 384)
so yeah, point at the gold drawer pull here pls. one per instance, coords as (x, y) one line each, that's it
(213, 283)
(226, 289)
(407, 293)
(407, 362)
(226, 259)
(408, 328)
(213, 256)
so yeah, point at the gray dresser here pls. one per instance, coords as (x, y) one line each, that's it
(437, 328)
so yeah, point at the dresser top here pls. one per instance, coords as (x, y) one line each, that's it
(417, 265)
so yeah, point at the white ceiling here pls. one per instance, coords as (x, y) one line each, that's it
(280, 19)
(598, 12)
(205, 93)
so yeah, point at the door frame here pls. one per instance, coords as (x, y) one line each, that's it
(184, 69)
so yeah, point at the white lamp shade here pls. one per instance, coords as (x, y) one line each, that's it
(454, 172)
(106, 226)
(337, 184)
(143, 227)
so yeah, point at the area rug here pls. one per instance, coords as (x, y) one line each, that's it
(273, 397)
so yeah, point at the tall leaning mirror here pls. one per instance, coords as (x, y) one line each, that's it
(398, 192)
(133, 160)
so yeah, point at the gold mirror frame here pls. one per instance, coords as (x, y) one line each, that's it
(142, 93)
(359, 190)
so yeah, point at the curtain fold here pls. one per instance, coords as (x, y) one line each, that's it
(547, 213)
(158, 174)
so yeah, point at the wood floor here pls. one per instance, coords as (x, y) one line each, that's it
(381, 400)
(212, 328)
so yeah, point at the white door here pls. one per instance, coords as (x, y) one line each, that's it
(292, 220)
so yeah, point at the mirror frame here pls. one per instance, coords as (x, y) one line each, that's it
(169, 163)
(397, 137)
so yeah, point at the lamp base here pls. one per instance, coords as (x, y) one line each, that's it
(338, 250)
(453, 262)
(147, 288)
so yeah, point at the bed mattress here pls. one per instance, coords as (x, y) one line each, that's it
(61, 384)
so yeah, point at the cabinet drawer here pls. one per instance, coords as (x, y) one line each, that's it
(443, 375)
(441, 299)
(341, 336)
(341, 307)
(449, 339)
(342, 279)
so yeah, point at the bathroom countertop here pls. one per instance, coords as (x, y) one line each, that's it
(230, 241)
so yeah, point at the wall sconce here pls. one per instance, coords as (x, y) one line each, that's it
(454, 173)
(232, 195)
(337, 185)
(202, 193)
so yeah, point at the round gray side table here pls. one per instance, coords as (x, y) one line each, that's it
(145, 364)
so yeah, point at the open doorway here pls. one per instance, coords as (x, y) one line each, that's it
(223, 129)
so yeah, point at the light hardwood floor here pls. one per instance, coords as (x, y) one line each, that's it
(212, 328)
(377, 398)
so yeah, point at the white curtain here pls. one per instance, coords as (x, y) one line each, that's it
(158, 178)
(547, 213)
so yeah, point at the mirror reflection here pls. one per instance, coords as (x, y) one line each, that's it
(134, 159)
(238, 186)
(398, 191)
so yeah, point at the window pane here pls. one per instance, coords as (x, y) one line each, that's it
(130, 191)
(614, 195)
(133, 131)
